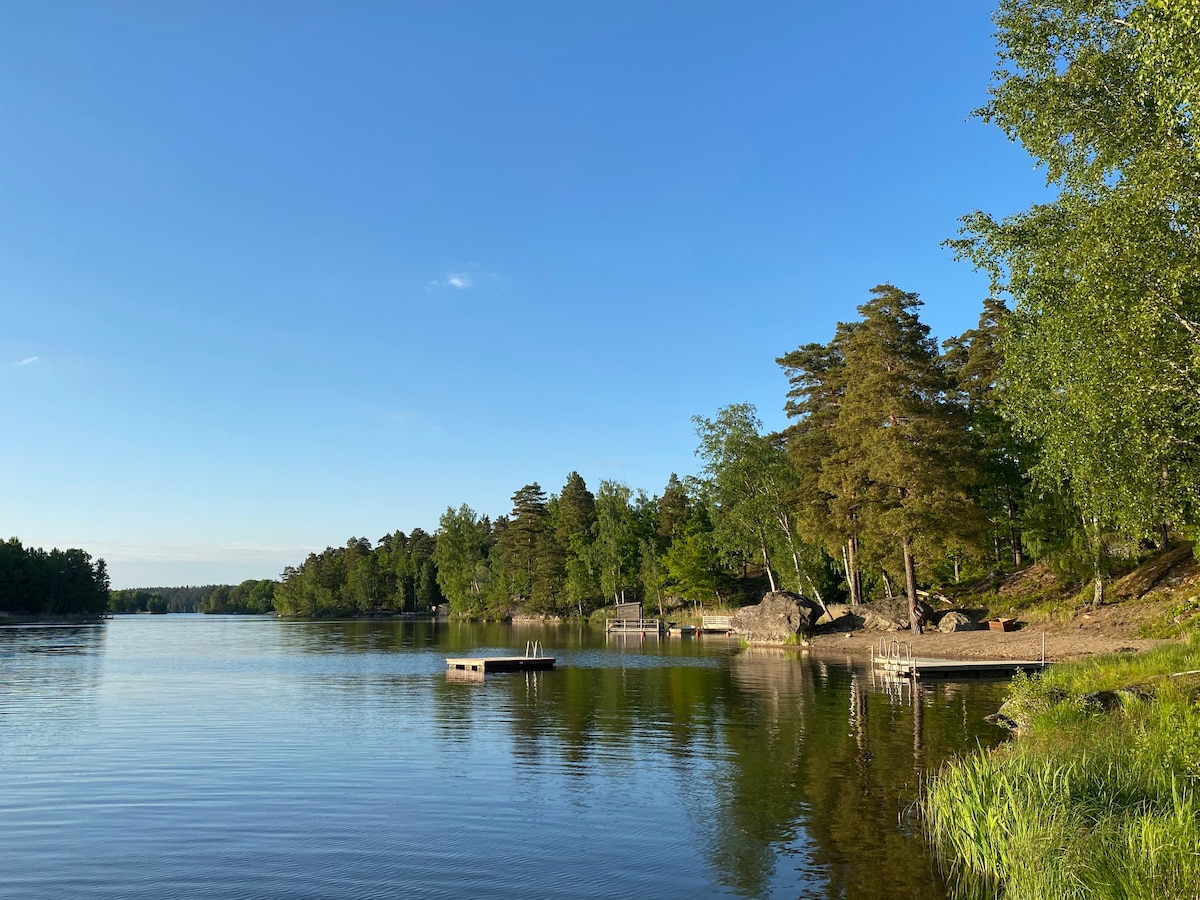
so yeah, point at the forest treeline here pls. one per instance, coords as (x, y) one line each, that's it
(1065, 426)
(907, 465)
(254, 596)
(898, 462)
(50, 583)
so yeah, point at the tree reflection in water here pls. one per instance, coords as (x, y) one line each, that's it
(797, 771)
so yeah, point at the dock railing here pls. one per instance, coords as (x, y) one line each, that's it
(716, 624)
(628, 619)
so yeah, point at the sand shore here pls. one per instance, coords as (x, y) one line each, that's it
(1026, 643)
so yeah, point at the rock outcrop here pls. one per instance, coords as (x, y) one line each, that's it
(779, 618)
(839, 617)
(889, 615)
(956, 621)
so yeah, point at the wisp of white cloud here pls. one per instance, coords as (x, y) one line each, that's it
(29, 360)
(458, 280)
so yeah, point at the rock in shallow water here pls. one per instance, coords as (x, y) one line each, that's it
(780, 617)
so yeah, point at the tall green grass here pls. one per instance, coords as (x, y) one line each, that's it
(1085, 802)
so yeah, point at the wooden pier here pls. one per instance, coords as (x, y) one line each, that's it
(929, 667)
(897, 660)
(532, 661)
(629, 621)
(715, 625)
(486, 664)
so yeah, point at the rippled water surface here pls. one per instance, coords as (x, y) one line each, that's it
(189, 756)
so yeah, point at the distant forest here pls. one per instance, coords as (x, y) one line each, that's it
(50, 583)
(249, 597)
(898, 471)
(908, 464)
(1064, 427)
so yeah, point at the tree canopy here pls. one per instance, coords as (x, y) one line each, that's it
(49, 583)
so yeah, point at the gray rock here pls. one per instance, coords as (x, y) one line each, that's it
(839, 617)
(780, 617)
(956, 621)
(890, 615)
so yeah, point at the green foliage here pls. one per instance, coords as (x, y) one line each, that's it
(463, 540)
(354, 580)
(133, 600)
(528, 562)
(674, 508)
(1180, 618)
(1167, 50)
(974, 361)
(251, 597)
(616, 547)
(752, 493)
(1086, 803)
(1102, 360)
(883, 445)
(36, 582)
(692, 564)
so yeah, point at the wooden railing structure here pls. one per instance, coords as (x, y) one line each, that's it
(716, 625)
(628, 620)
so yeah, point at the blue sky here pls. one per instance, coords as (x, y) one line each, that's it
(273, 274)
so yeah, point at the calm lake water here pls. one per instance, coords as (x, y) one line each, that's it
(199, 756)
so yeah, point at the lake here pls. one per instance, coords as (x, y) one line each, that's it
(200, 756)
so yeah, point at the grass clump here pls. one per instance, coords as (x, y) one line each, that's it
(1179, 618)
(1099, 795)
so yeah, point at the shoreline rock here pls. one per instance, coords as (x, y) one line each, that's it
(779, 619)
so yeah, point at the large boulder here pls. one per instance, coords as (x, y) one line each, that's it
(956, 621)
(890, 615)
(779, 618)
(839, 617)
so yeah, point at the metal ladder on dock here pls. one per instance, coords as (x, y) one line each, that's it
(533, 649)
(895, 657)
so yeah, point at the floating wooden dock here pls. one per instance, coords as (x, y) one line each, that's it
(532, 661)
(897, 660)
(930, 667)
(485, 664)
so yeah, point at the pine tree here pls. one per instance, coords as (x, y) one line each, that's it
(576, 513)
(673, 509)
(828, 500)
(528, 560)
(900, 436)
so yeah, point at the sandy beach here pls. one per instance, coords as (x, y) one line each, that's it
(1062, 643)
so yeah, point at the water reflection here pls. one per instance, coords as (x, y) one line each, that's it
(682, 767)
